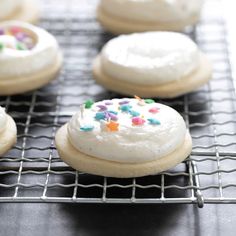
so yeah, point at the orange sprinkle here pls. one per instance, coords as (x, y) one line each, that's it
(112, 126)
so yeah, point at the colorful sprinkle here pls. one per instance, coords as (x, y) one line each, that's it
(102, 107)
(87, 128)
(141, 102)
(88, 104)
(124, 102)
(112, 126)
(154, 110)
(125, 108)
(138, 121)
(134, 113)
(100, 116)
(149, 101)
(111, 116)
(1, 46)
(154, 121)
(113, 112)
(108, 103)
(23, 41)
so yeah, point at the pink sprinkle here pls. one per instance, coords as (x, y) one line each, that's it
(154, 110)
(14, 30)
(138, 121)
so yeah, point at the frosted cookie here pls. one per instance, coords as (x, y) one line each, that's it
(22, 10)
(152, 64)
(124, 138)
(7, 132)
(128, 16)
(29, 57)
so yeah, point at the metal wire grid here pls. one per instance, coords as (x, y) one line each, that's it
(33, 172)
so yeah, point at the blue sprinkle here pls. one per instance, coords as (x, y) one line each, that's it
(134, 113)
(113, 112)
(100, 116)
(87, 128)
(154, 121)
(125, 108)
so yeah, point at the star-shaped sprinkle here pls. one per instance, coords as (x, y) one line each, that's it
(154, 121)
(125, 108)
(112, 126)
(88, 104)
(100, 116)
(134, 113)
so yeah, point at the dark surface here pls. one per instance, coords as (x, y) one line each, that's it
(70, 219)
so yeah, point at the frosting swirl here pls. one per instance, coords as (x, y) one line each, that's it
(150, 58)
(127, 130)
(25, 49)
(8, 7)
(152, 10)
(3, 119)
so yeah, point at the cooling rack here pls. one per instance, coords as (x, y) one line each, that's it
(33, 172)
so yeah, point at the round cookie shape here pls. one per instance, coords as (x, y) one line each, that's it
(8, 8)
(29, 57)
(7, 132)
(152, 64)
(134, 137)
(151, 58)
(127, 16)
(23, 10)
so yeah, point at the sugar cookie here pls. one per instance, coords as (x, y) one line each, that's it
(29, 57)
(128, 16)
(152, 64)
(124, 138)
(22, 10)
(7, 132)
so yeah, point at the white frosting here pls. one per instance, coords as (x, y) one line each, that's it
(3, 119)
(131, 143)
(152, 10)
(150, 58)
(15, 63)
(8, 7)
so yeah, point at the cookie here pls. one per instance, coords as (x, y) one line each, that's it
(124, 138)
(128, 16)
(152, 64)
(22, 10)
(7, 132)
(29, 57)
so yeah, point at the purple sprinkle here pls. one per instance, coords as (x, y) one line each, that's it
(123, 102)
(21, 36)
(108, 103)
(109, 115)
(113, 116)
(1, 31)
(102, 107)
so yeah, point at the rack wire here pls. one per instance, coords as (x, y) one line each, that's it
(33, 172)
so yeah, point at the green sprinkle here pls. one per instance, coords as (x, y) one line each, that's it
(1, 47)
(20, 46)
(149, 101)
(88, 104)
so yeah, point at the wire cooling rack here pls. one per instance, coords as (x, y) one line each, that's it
(33, 172)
